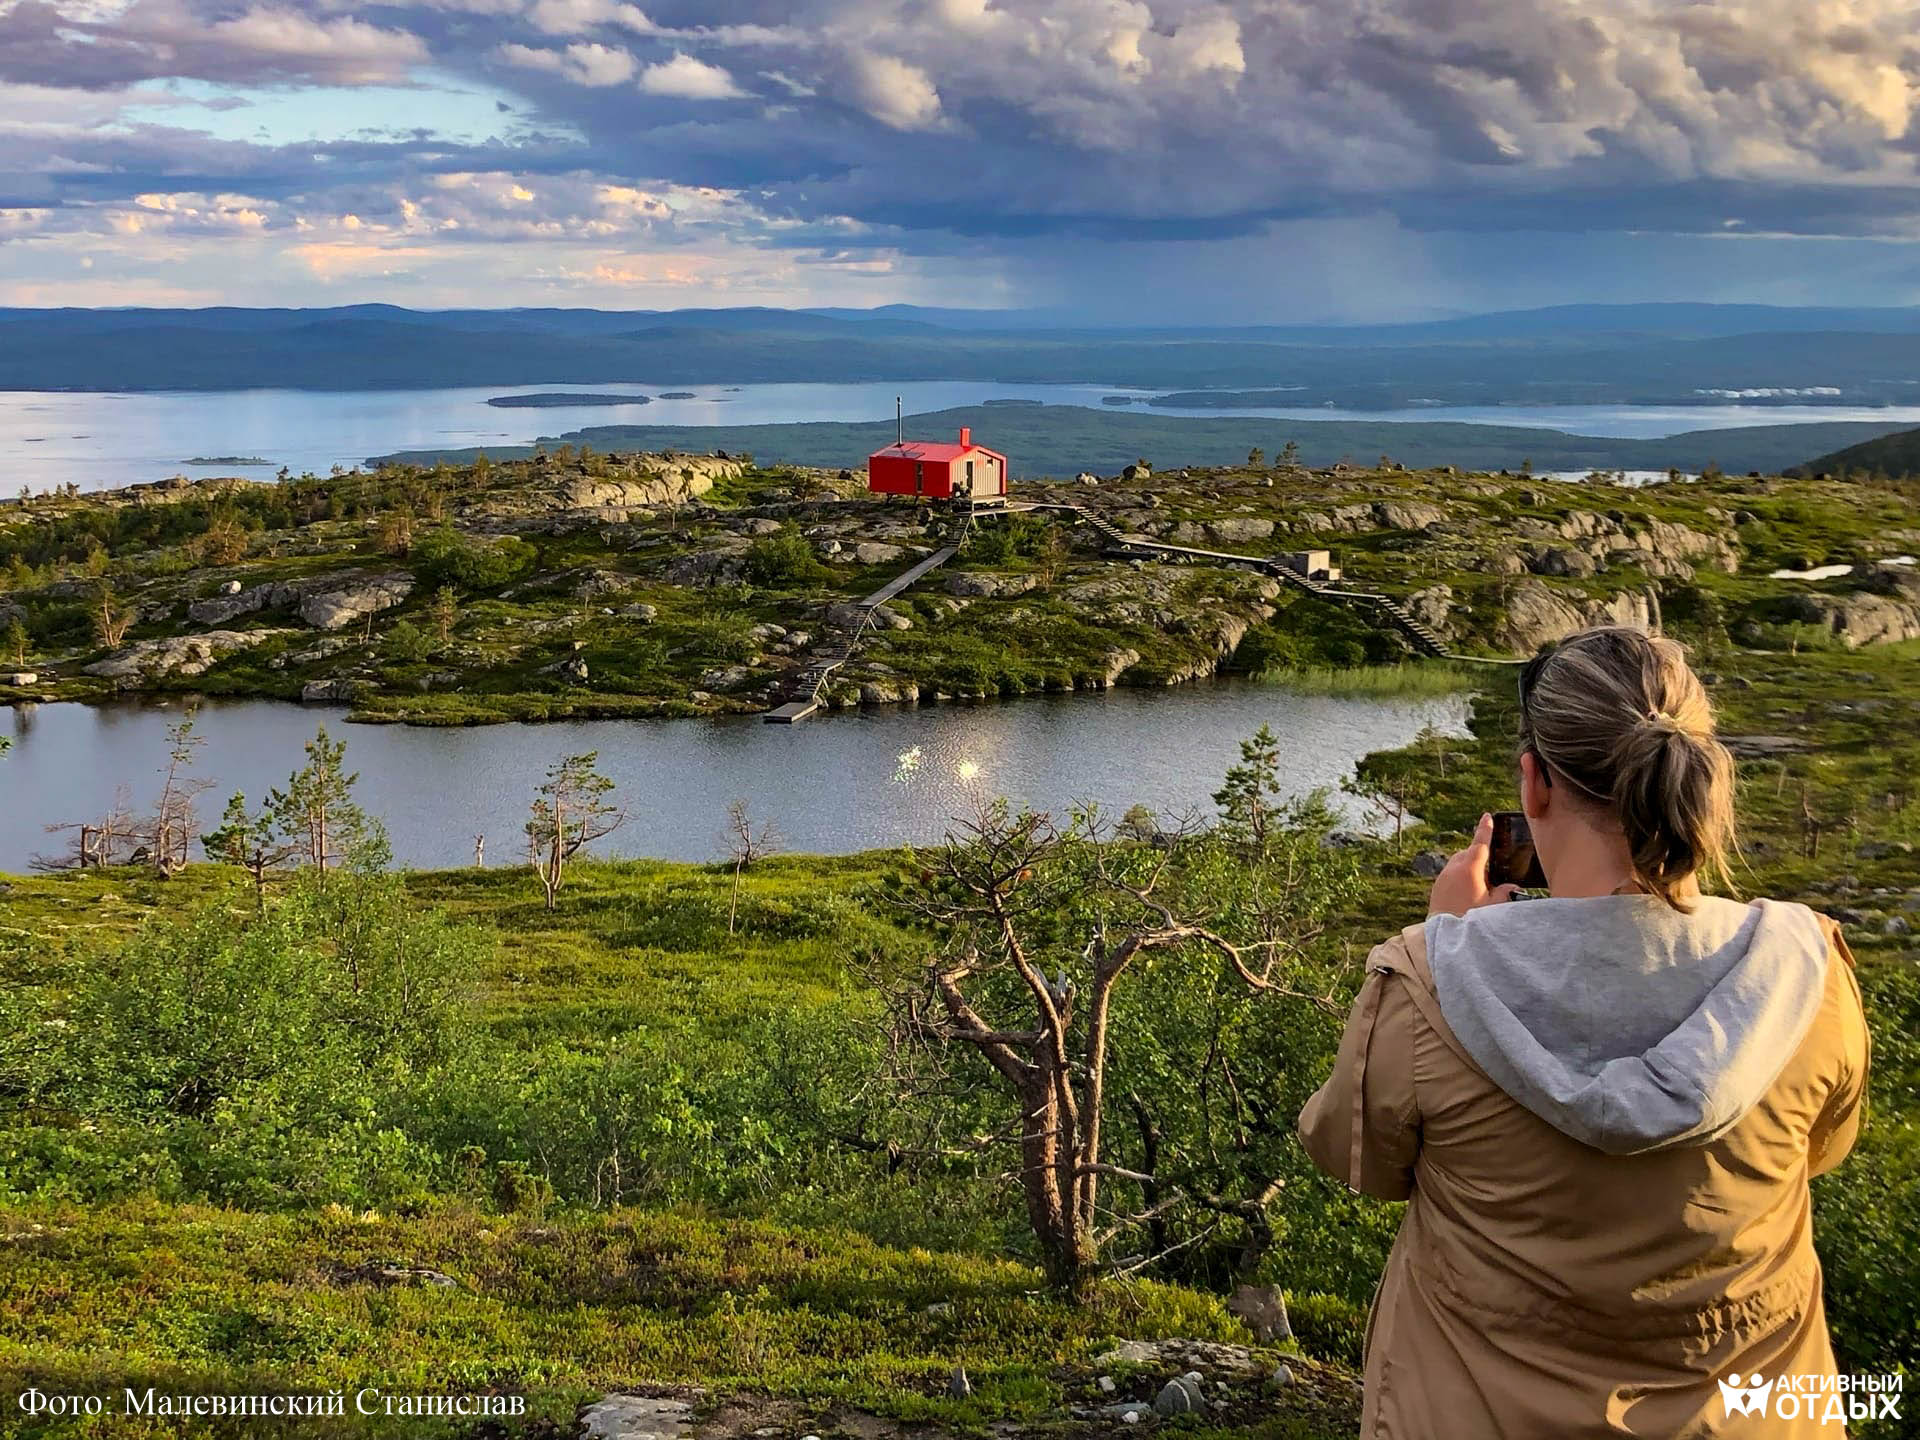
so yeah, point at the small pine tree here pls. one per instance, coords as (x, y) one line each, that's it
(445, 614)
(1247, 799)
(250, 839)
(316, 813)
(17, 641)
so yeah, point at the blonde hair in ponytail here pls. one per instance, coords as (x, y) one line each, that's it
(1619, 715)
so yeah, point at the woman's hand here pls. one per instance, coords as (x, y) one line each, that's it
(1462, 885)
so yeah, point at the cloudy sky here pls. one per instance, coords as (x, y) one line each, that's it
(1115, 159)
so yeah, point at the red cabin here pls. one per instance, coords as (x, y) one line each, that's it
(937, 470)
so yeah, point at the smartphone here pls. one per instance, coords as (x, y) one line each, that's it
(1513, 860)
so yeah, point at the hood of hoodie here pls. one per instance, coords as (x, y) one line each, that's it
(1625, 1023)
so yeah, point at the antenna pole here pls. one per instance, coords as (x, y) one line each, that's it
(896, 420)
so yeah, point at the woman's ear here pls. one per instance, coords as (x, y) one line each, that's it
(1536, 792)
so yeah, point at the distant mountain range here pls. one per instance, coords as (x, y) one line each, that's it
(1631, 354)
(1897, 455)
(1060, 440)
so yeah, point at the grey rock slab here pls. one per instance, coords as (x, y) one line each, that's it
(635, 1417)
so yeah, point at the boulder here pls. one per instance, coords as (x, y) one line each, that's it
(708, 567)
(355, 599)
(725, 677)
(175, 655)
(1177, 1397)
(1537, 616)
(1556, 560)
(874, 552)
(645, 614)
(1238, 530)
(1212, 1359)
(635, 1417)
(1433, 607)
(20, 677)
(1117, 663)
(596, 583)
(888, 692)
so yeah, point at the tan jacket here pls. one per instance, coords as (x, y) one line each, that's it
(1540, 1288)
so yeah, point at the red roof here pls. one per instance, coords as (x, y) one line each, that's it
(925, 450)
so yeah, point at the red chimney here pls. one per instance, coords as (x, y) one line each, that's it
(966, 435)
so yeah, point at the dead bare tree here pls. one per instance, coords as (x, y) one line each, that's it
(112, 617)
(170, 833)
(745, 845)
(95, 843)
(1000, 889)
(570, 811)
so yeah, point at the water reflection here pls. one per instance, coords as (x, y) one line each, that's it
(842, 783)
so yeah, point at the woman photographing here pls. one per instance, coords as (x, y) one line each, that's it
(1605, 1105)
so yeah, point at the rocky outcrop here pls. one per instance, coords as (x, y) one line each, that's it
(647, 480)
(360, 596)
(1862, 618)
(1232, 530)
(175, 656)
(981, 585)
(1538, 616)
(708, 567)
(1433, 607)
(1582, 543)
(340, 691)
(1373, 515)
(326, 602)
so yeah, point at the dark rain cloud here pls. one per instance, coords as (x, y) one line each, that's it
(938, 126)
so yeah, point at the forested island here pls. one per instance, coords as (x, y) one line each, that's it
(555, 399)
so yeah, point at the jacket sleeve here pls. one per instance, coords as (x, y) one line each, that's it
(1838, 1124)
(1363, 1125)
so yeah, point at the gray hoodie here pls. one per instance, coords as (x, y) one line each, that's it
(1625, 1023)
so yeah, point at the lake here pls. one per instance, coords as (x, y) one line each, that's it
(843, 782)
(101, 441)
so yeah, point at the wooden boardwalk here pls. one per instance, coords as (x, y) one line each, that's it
(838, 643)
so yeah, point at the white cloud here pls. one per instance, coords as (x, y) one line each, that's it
(893, 92)
(576, 17)
(686, 78)
(586, 64)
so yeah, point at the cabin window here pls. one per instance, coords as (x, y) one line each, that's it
(969, 477)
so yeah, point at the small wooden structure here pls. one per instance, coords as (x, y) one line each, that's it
(938, 470)
(1313, 564)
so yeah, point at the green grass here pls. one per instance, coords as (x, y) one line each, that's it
(191, 1299)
